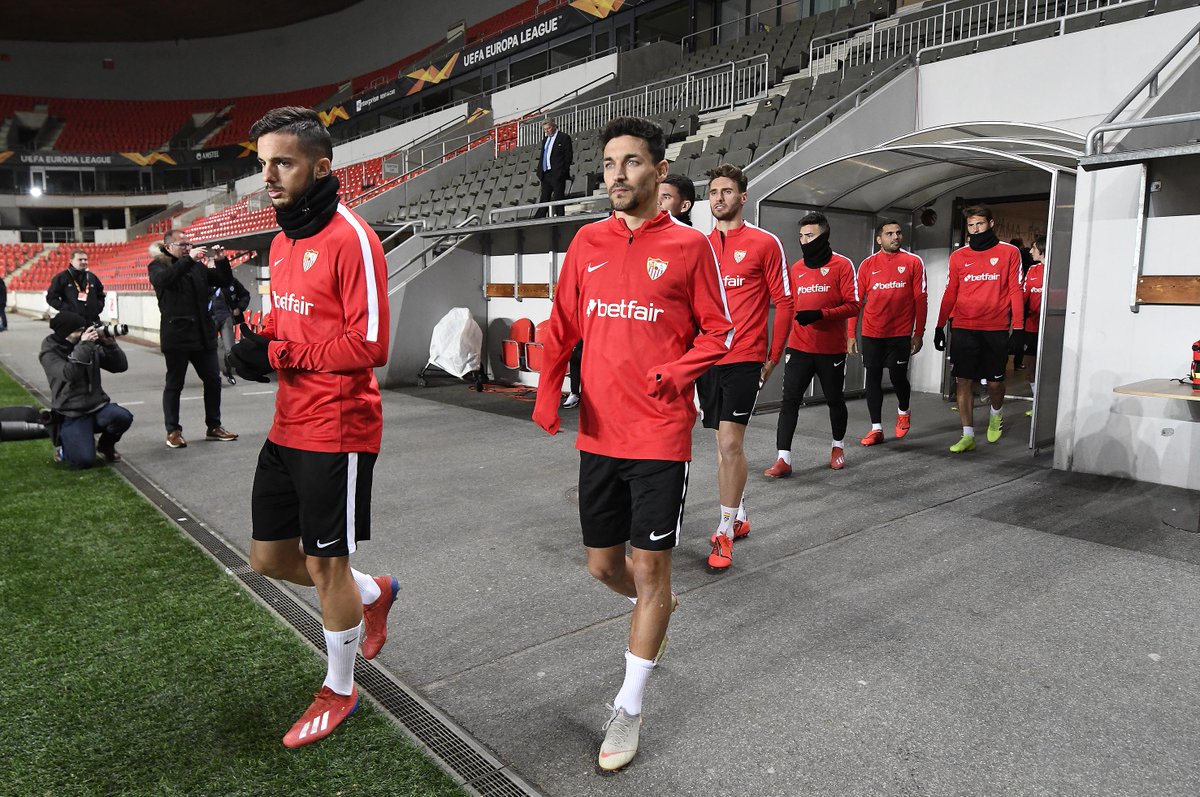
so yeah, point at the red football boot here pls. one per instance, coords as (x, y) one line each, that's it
(325, 714)
(375, 616)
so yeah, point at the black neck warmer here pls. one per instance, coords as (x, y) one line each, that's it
(981, 241)
(312, 211)
(817, 252)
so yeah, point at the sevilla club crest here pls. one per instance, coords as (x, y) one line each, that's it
(655, 267)
(739, 255)
(310, 258)
(900, 269)
(824, 271)
(994, 260)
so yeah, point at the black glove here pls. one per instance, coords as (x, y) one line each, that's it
(939, 339)
(249, 356)
(806, 317)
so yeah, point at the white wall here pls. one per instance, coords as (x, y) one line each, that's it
(1107, 345)
(1070, 81)
(330, 49)
(515, 102)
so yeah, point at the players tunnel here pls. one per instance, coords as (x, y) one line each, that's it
(1026, 173)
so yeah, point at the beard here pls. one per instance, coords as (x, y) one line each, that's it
(728, 213)
(289, 200)
(631, 201)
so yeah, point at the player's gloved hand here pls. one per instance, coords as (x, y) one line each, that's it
(663, 385)
(939, 339)
(249, 356)
(545, 408)
(806, 317)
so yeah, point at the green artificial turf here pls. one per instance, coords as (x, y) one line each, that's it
(133, 665)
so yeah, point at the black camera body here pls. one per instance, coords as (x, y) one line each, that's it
(111, 330)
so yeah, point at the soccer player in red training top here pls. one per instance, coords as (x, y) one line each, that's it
(636, 287)
(891, 283)
(824, 295)
(326, 332)
(983, 296)
(754, 273)
(1034, 285)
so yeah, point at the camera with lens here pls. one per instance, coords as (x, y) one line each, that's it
(24, 423)
(111, 330)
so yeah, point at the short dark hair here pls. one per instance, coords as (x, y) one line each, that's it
(815, 218)
(686, 189)
(978, 210)
(684, 185)
(886, 223)
(637, 127)
(304, 123)
(1040, 242)
(728, 170)
(78, 252)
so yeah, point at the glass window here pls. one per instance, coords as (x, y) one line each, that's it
(665, 24)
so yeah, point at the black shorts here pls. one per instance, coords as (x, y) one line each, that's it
(322, 498)
(639, 501)
(728, 393)
(887, 353)
(977, 354)
(1030, 341)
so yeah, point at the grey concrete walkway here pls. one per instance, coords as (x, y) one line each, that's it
(918, 623)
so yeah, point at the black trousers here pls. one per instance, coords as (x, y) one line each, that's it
(205, 364)
(554, 188)
(576, 362)
(798, 372)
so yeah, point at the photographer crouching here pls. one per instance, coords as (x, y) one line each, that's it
(73, 356)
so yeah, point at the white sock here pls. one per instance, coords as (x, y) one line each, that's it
(902, 412)
(1032, 386)
(994, 411)
(727, 515)
(877, 427)
(341, 647)
(366, 586)
(741, 513)
(969, 431)
(839, 443)
(786, 456)
(632, 600)
(636, 672)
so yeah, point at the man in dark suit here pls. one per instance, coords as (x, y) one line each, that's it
(554, 166)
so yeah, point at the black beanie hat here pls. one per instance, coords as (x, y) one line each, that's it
(67, 322)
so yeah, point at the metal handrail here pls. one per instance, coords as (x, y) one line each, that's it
(949, 21)
(683, 41)
(905, 62)
(1150, 80)
(583, 200)
(465, 234)
(549, 105)
(406, 225)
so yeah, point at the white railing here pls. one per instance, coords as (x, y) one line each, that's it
(893, 37)
(722, 86)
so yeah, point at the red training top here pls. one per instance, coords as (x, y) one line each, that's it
(1033, 296)
(636, 299)
(754, 274)
(984, 289)
(832, 290)
(329, 328)
(894, 296)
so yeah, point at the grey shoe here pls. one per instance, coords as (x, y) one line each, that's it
(620, 740)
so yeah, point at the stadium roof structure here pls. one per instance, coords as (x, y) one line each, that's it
(154, 20)
(915, 169)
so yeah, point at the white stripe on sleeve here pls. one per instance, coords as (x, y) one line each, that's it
(369, 273)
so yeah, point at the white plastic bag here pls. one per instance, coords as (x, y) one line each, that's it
(456, 344)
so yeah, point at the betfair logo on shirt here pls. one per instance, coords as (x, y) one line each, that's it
(629, 309)
(733, 282)
(812, 289)
(291, 303)
(1035, 290)
(889, 286)
(980, 277)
